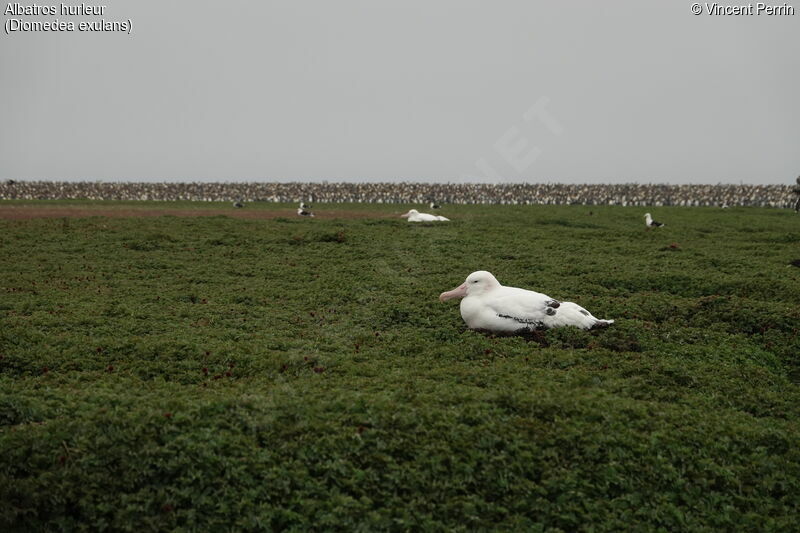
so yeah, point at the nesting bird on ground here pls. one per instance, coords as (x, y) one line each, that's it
(415, 216)
(650, 223)
(304, 212)
(238, 204)
(488, 306)
(434, 205)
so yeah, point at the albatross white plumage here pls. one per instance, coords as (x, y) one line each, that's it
(486, 305)
(650, 223)
(415, 216)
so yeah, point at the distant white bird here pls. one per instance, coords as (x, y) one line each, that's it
(434, 205)
(238, 204)
(650, 223)
(486, 305)
(304, 212)
(415, 216)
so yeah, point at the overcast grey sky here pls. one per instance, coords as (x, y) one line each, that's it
(448, 90)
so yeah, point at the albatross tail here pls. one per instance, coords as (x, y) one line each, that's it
(601, 323)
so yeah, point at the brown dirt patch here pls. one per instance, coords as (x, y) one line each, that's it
(23, 212)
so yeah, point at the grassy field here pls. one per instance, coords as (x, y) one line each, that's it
(222, 374)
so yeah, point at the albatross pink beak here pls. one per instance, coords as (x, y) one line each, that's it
(458, 292)
(406, 215)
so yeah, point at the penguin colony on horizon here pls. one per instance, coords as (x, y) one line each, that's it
(636, 195)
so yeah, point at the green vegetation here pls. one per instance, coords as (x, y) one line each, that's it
(216, 374)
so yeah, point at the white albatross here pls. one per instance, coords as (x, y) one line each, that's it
(650, 223)
(488, 306)
(415, 216)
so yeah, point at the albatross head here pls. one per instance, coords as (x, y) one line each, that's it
(412, 212)
(476, 283)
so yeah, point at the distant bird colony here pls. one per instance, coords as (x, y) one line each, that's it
(637, 195)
